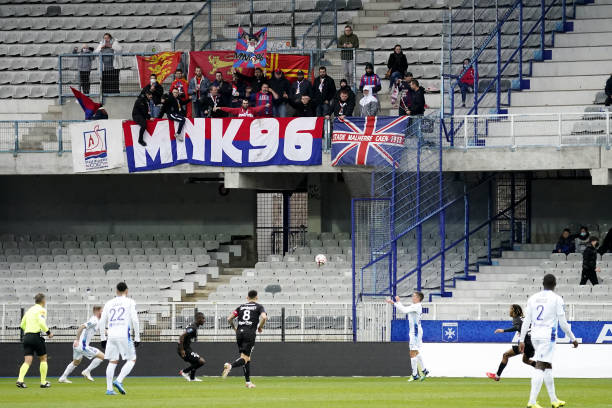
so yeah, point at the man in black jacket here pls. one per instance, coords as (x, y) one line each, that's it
(344, 86)
(344, 106)
(224, 89)
(609, 91)
(212, 101)
(300, 87)
(141, 113)
(281, 85)
(324, 89)
(418, 99)
(175, 110)
(589, 262)
(304, 108)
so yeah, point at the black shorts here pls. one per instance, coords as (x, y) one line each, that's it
(34, 343)
(190, 356)
(529, 350)
(246, 341)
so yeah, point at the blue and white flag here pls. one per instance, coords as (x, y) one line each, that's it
(370, 141)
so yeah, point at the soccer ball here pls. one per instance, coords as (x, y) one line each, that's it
(320, 259)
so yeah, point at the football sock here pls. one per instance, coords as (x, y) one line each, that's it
(68, 370)
(43, 371)
(536, 385)
(94, 363)
(413, 364)
(110, 373)
(187, 370)
(125, 370)
(23, 371)
(247, 371)
(549, 381)
(420, 362)
(193, 367)
(238, 363)
(500, 370)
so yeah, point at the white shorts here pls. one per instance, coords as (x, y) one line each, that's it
(544, 350)
(88, 352)
(120, 347)
(415, 343)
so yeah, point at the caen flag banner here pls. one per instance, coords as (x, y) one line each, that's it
(213, 61)
(228, 142)
(290, 64)
(163, 65)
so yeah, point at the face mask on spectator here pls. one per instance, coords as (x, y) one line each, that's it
(583, 234)
(153, 81)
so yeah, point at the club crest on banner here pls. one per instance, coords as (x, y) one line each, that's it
(95, 148)
(450, 332)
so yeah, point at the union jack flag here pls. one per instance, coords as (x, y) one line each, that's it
(370, 141)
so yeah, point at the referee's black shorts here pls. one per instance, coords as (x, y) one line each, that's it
(34, 343)
(246, 341)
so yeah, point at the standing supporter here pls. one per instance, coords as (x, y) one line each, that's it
(370, 78)
(589, 262)
(282, 87)
(608, 91)
(405, 92)
(84, 65)
(238, 90)
(157, 91)
(304, 108)
(110, 72)
(256, 81)
(343, 106)
(369, 103)
(300, 87)
(607, 243)
(324, 91)
(224, 88)
(345, 87)
(174, 109)
(245, 111)
(141, 112)
(266, 98)
(198, 88)
(212, 101)
(350, 42)
(418, 99)
(397, 64)
(182, 85)
(466, 82)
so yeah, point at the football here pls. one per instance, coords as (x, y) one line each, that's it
(320, 259)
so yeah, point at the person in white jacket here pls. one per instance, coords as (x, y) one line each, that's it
(414, 312)
(109, 45)
(119, 318)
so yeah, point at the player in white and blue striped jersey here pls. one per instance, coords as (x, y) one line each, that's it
(414, 312)
(81, 348)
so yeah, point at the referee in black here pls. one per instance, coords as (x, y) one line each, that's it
(34, 325)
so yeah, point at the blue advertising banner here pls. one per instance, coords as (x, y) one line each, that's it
(483, 331)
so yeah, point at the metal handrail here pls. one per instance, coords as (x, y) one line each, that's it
(317, 23)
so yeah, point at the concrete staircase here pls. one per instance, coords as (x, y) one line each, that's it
(201, 293)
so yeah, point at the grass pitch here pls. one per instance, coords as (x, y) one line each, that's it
(301, 392)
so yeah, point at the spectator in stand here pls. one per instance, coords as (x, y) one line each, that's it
(212, 101)
(324, 91)
(141, 113)
(157, 91)
(265, 97)
(182, 85)
(589, 262)
(608, 91)
(345, 87)
(343, 106)
(466, 82)
(175, 110)
(369, 103)
(350, 42)
(304, 108)
(84, 65)
(300, 87)
(566, 243)
(198, 88)
(417, 106)
(405, 94)
(100, 114)
(370, 78)
(238, 90)
(255, 81)
(582, 239)
(397, 64)
(225, 89)
(282, 87)
(607, 243)
(110, 64)
(248, 93)
(245, 111)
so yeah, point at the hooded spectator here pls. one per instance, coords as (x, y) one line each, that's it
(466, 82)
(344, 86)
(324, 91)
(343, 106)
(198, 88)
(304, 108)
(566, 243)
(369, 103)
(397, 65)
(282, 87)
(84, 65)
(370, 78)
(141, 113)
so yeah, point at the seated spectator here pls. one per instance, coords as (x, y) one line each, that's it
(245, 111)
(282, 87)
(324, 91)
(466, 82)
(397, 64)
(198, 88)
(141, 112)
(266, 98)
(582, 239)
(418, 99)
(224, 89)
(182, 85)
(607, 243)
(369, 103)
(566, 243)
(304, 108)
(589, 262)
(157, 90)
(212, 101)
(609, 91)
(256, 81)
(84, 65)
(343, 106)
(238, 90)
(370, 78)
(300, 87)
(345, 87)
(174, 109)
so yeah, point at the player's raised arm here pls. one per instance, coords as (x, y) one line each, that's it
(564, 324)
(401, 307)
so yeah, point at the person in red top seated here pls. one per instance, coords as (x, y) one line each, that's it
(245, 111)
(182, 85)
(466, 81)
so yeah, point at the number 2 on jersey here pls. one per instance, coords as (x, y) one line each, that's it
(116, 314)
(541, 310)
(246, 315)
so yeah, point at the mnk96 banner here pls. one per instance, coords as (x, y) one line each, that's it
(228, 142)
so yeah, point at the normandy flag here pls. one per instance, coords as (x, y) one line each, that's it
(290, 64)
(162, 64)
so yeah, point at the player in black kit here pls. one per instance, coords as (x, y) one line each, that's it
(250, 319)
(185, 352)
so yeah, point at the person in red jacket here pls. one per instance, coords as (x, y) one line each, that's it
(466, 81)
(245, 111)
(182, 85)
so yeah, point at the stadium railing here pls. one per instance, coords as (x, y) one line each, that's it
(473, 131)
